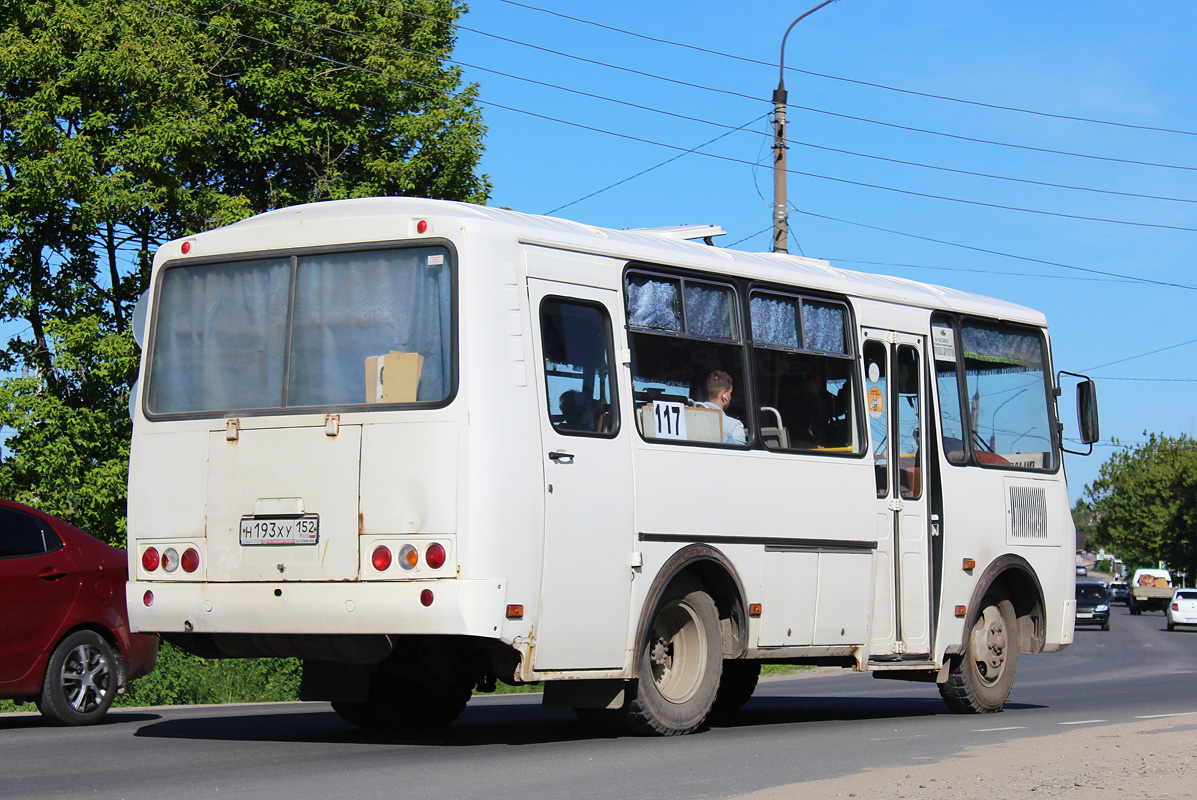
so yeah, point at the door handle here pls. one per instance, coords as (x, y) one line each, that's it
(561, 457)
(51, 574)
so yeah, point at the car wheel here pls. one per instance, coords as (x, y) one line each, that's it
(80, 682)
(980, 680)
(1171, 624)
(1105, 626)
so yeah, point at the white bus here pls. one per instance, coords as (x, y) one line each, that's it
(425, 445)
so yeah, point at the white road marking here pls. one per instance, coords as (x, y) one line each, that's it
(1162, 716)
(1083, 722)
(994, 730)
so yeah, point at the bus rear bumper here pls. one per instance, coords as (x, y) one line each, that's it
(457, 607)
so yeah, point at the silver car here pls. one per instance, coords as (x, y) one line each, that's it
(1182, 609)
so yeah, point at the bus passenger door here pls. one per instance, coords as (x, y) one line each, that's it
(894, 396)
(586, 581)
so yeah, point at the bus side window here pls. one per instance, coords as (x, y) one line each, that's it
(683, 331)
(577, 367)
(802, 360)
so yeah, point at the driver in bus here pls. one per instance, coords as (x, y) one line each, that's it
(719, 393)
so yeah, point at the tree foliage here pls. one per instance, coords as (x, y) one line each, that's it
(1145, 503)
(125, 124)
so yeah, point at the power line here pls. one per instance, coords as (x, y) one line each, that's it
(479, 100)
(741, 95)
(657, 166)
(1141, 355)
(1135, 278)
(870, 84)
(979, 271)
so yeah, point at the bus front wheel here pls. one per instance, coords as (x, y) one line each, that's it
(679, 664)
(980, 680)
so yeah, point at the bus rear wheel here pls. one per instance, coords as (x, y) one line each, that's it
(736, 686)
(980, 680)
(679, 665)
(407, 707)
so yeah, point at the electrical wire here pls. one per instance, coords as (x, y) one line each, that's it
(870, 84)
(481, 101)
(1061, 265)
(755, 98)
(657, 166)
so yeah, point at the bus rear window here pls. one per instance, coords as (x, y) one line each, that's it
(325, 329)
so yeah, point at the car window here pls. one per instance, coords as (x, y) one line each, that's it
(1186, 595)
(20, 535)
(1090, 593)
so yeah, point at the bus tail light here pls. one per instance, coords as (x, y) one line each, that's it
(190, 560)
(434, 556)
(148, 598)
(149, 559)
(409, 558)
(381, 558)
(426, 598)
(170, 559)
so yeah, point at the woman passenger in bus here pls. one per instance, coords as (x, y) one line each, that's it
(719, 391)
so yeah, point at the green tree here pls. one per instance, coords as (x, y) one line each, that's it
(126, 124)
(1145, 503)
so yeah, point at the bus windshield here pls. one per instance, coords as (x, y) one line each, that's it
(315, 330)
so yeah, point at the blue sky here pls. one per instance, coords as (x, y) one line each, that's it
(1114, 293)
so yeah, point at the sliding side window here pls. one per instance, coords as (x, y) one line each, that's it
(687, 359)
(803, 363)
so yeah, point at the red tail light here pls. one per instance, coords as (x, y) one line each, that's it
(190, 560)
(426, 598)
(381, 558)
(1176, 606)
(435, 556)
(149, 559)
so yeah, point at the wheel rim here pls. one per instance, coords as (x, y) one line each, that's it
(85, 678)
(990, 645)
(677, 652)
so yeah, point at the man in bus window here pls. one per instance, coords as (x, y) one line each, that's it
(812, 409)
(719, 393)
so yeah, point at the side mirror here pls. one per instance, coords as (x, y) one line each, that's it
(1086, 409)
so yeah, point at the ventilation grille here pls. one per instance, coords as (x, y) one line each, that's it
(1028, 513)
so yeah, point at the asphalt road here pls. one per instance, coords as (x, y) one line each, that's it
(821, 725)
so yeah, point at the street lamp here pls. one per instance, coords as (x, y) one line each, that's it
(781, 230)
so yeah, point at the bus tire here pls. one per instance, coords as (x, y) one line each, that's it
(359, 715)
(80, 682)
(736, 686)
(980, 680)
(680, 664)
(405, 708)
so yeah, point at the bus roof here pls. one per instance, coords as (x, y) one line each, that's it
(652, 246)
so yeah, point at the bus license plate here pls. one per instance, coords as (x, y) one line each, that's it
(280, 530)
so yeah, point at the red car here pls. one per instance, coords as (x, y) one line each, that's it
(64, 632)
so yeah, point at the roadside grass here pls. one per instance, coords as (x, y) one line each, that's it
(183, 679)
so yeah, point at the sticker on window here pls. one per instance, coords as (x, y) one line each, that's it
(670, 420)
(944, 340)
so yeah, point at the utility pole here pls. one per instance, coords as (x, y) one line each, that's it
(781, 210)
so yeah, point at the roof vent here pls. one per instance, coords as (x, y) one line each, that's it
(682, 232)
